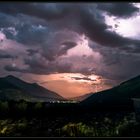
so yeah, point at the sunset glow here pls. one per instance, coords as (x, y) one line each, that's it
(70, 84)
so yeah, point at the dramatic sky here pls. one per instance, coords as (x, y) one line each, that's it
(70, 48)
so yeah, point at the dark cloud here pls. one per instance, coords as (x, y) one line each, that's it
(69, 44)
(40, 65)
(5, 55)
(8, 20)
(32, 33)
(10, 68)
(84, 78)
(66, 46)
(31, 52)
(96, 29)
(118, 65)
(29, 34)
(49, 30)
(58, 44)
(88, 17)
(47, 11)
(119, 9)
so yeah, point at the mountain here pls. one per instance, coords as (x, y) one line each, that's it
(119, 96)
(15, 88)
(80, 98)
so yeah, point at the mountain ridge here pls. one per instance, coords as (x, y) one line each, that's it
(121, 95)
(80, 98)
(31, 89)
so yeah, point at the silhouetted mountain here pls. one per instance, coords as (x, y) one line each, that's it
(120, 95)
(80, 98)
(15, 88)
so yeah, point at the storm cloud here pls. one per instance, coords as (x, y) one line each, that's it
(49, 33)
(119, 9)
(90, 20)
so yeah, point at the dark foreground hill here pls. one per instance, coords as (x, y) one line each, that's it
(14, 88)
(119, 96)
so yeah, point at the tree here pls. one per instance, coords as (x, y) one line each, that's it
(22, 106)
(38, 106)
(4, 107)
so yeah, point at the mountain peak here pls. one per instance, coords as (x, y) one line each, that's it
(10, 76)
(35, 84)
